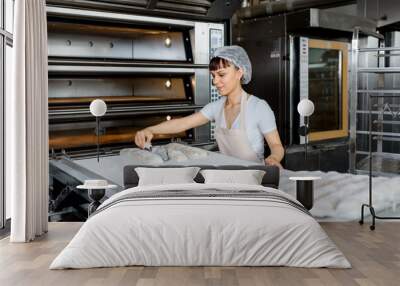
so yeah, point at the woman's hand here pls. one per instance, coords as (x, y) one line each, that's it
(271, 161)
(277, 150)
(143, 137)
(172, 126)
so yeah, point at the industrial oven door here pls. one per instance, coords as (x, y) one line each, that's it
(322, 76)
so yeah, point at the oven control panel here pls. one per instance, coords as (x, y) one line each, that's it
(303, 80)
(216, 41)
(303, 68)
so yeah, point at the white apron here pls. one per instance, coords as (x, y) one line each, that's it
(234, 142)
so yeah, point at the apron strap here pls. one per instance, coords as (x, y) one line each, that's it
(243, 109)
(220, 115)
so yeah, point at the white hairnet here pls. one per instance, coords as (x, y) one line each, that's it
(238, 56)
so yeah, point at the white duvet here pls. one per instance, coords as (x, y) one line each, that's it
(200, 231)
(339, 196)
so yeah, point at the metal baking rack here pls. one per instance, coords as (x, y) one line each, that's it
(385, 109)
(378, 123)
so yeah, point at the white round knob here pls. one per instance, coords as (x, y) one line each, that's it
(305, 107)
(167, 42)
(98, 107)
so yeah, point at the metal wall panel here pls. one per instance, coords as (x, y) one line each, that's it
(159, 50)
(201, 87)
(201, 55)
(386, 12)
(75, 45)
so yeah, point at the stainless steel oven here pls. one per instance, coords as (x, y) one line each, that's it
(147, 70)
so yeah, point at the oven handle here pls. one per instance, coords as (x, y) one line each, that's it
(59, 114)
(120, 69)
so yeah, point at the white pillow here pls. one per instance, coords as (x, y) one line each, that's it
(164, 176)
(248, 177)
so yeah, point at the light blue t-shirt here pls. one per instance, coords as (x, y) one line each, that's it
(260, 119)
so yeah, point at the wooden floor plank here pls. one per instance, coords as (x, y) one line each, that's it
(374, 255)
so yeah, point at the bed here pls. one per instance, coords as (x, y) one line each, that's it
(201, 224)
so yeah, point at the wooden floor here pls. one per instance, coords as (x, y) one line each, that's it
(374, 255)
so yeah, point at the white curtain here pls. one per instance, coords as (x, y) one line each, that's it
(27, 123)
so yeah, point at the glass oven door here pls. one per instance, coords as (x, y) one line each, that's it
(326, 87)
